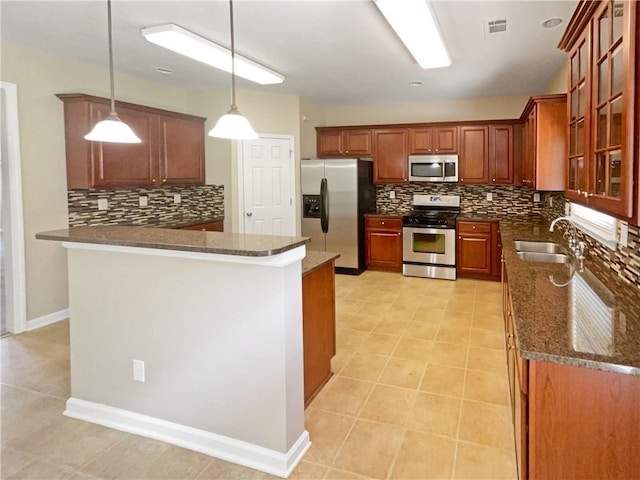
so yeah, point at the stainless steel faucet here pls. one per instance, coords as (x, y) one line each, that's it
(577, 247)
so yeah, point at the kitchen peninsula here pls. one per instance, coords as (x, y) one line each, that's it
(194, 338)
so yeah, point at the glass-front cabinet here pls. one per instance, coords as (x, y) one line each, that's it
(601, 41)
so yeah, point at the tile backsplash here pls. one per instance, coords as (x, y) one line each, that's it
(124, 205)
(506, 199)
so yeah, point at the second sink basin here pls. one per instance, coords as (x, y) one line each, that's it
(539, 247)
(543, 257)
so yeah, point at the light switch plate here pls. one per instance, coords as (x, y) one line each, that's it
(138, 370)
(489, 196)
(103, 204)
(392, 194)
(143, 201)
(177, 198)
(624, 234)
(536, 197)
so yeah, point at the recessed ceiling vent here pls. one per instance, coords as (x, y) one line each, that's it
(496, 26)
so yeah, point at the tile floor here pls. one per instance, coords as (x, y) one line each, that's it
(420, 392)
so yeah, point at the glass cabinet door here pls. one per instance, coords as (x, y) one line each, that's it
(577, 105)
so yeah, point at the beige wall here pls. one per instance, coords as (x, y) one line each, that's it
(38, 77)
(558, 84)
(311, 116)
(487, 108)
(267, 113)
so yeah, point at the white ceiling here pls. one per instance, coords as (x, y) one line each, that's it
(331, 52)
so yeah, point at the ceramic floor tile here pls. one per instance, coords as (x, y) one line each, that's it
(360, 321)
(482, 462)
(487, 307)
(423, 456)
(413, 349)
(487, 360)
(370, 308)
(378, 344)
(448, 354)
(486, 424)
(391, 326)
(425, 314)
(334, 474)
(421, 330)
(221, 470)
(443, 380)
(435, 303)
(308, 471)
(12, 461)
(488, 321)
(364, 366)
(435, 414)
(35, 412)
(486, 387)
(388, 404)
(343, 395)
(458, 319)
(402, 372)
(487, 339)
(46, 470)
(347, 339)
(460, 305)
(327, 431)
(348, 305)
(340, 359)
(448, 333)
(370, 449)
(383, 297)
(181, 463)
(397, 312)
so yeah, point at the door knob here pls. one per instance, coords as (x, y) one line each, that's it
(249, 214)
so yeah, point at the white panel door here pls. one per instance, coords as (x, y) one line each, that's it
(267, 170)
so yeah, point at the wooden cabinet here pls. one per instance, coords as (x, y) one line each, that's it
(171, 152)
(318, 328)
(604, 105)
(478, 250)
(341, 142)
(215, 226)
(433, 140)
(390, 157)
(474, 155)
(486, 154)
(383, 243)
(544, 143)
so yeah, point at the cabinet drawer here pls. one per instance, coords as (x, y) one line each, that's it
(474, 227)
(390, 223)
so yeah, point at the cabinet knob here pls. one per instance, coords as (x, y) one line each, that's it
(382, 223)
(399, 233)
(494, 179)
(462, 179)
(204, 229)
(473, 226)
(405, 179)
(459, 237)
(164, 180)
(153, 181)
(436, 149)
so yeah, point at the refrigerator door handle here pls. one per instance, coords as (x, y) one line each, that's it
(324, 205)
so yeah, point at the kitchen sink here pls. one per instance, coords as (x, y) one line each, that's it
(538, 247)
(544, 257)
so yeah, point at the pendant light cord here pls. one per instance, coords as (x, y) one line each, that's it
(113, 102)
(233, 61)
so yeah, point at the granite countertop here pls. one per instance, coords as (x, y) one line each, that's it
(316, 259)
(481, 217)
(591, 319)
(182, 240)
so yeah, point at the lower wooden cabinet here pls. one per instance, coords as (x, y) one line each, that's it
(318, 328)
(571, 422)
(215, 226)
(383, 243)
(478, 250)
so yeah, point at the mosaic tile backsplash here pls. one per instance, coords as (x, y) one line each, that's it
(473, 198)
(124, 206)
(624, 261)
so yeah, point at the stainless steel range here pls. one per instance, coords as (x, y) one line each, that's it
(429, 237)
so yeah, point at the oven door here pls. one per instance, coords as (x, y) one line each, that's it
(435, 246)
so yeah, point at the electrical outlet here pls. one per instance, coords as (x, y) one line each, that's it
(177, 198)
(567, 208)
(103, 204)
(392, 194)
(536, 197)
(138, 370)
(143, 201)
(489, 196)
(624, 234)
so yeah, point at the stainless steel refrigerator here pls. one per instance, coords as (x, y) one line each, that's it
(336, 193)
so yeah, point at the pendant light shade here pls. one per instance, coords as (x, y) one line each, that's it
(112, 129)
(233, 125)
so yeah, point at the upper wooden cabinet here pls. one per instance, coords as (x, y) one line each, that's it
(171, 152)
(473, 163)
(390, 157)
(543, 165)
(341, 142)
(501, 154)
(433, 140)
(603, 111)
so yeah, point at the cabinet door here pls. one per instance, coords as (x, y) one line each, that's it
(474, 155)
(496, 251)
(216, 226)
(329, 143)
(501, 154)
(445, 139)
(181, 151)
(357, 142)
(126, 164)
(421, 140)
(384, 249)
(390, 160)
(528, 164)
(474, 253)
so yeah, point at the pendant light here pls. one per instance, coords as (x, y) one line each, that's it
(112, 129)
(233, 125)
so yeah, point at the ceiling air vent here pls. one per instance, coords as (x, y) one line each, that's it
(496, 26)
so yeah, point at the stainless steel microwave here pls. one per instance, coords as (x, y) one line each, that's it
(433, 168)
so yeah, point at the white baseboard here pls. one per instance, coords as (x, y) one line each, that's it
(219, 446)
(47, 319)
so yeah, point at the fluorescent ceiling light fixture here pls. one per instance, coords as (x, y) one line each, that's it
(184, 42)
(416, 26)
